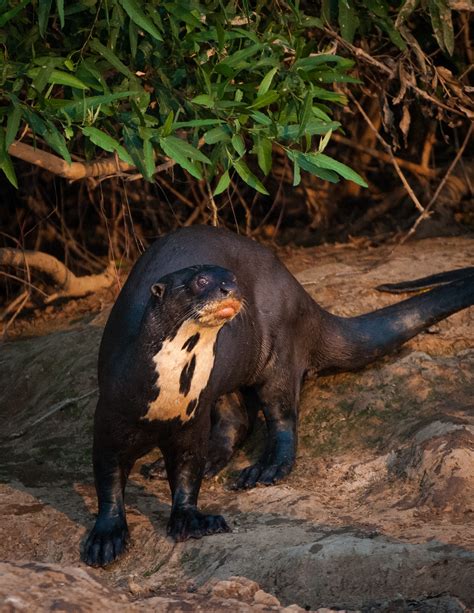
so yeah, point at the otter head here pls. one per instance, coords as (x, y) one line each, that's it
(209, 295)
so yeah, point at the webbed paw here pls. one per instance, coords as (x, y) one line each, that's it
(191, 523)
(106, 541)
(266, 474)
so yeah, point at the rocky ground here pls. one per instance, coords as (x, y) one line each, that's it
(377, 516)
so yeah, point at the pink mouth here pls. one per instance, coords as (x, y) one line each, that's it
(228, 310)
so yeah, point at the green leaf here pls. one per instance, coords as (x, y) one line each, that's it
(57, 77)
(56, 141)
(223, 183)
(79, 107)
(264, 154)
(246, 175)
(305, 161)
(107, 143)
(196, 123)
(188, 150)
(110, 56)
(314, 126)
(237, 60)
(6, 162)
(44, 9)
(238, 144)
(306, 113)
(220, 134)
(168, 145)
(135, 13)
(134, 146)
(296, 173)
(315, 61)
(13, 123)
(265, 100)
(168, 125)
(8, 15)
(324, 161)
(348, 19)
(60, 7)
(261, 118)
(149, 158)
(204, 100)
(266, 82)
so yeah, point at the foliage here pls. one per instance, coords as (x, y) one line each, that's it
(169, 78)
(214, 85)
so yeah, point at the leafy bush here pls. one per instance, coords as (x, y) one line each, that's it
(206, 84)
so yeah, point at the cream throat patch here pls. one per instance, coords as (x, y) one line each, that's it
(183, 366)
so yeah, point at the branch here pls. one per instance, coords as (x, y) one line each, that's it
(58, 166)
(71, 286)
(393, 159)
(417, 169)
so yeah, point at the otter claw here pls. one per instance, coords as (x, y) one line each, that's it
(260, 473)
(105, 543)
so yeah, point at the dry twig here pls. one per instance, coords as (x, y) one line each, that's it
(393, 159)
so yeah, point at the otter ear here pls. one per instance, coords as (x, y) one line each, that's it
(157, 289)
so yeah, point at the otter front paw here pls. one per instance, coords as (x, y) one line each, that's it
(106, 541)
(190, 523)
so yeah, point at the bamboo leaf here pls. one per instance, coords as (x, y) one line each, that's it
(238, 144)
(110, 56)
(266, 82)
(13, 123)
(296, 173)
(134, 147)
(223, 183)
(324, 161)
(133, 10)
(60, 7)
(8, 15)
(246, 175)
(44, 9)
(176, 153)
(187, 149)
(306, 112)
(348, 19)
(107, 143)
(56, 140)
(168, 125)
(6, 162)
(306, 163)
(204, 100)
(265, 100)
(79, 107)
(218, 135)
(149, 158)
(264, 154)
(57, 77)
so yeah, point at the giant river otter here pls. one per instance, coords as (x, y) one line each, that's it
(205, 313)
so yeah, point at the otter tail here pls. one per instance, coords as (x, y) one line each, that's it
(426, 283)
(351, 343)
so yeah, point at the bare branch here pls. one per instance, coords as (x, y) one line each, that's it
(69, 284)
(58, 166)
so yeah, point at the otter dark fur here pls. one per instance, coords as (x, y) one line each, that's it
(184, 332)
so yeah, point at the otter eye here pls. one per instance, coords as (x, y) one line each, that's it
(202, 281)
(157, 289)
